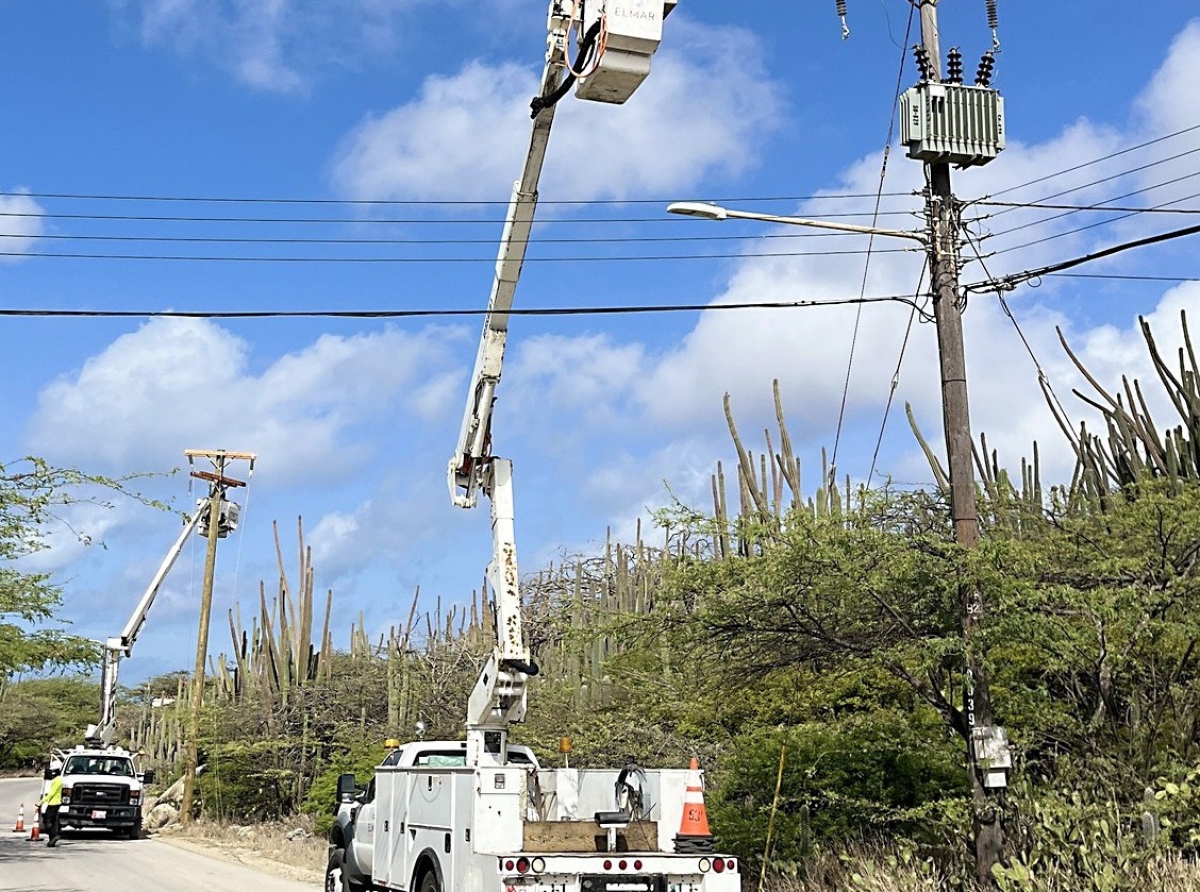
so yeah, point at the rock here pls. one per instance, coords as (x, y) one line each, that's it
(244, 832)
(174, 793)
(298, 834)
(160, 816)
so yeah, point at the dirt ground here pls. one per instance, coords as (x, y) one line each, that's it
(262, 847)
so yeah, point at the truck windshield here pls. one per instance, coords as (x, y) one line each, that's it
(99, 765)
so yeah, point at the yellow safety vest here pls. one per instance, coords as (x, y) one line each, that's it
(54, 794)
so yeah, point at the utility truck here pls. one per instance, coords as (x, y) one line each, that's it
(103, 785)
(481, 815)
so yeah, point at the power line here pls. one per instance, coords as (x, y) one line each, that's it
(403, 202)
(1007, 283)
(1116, 176)
(887, 151)
(629, 309)
(1099, 160)
(210, 258)
(895, 383)
(1087, 207)
(1043, 379)
(1121, 277)
(1088, 226)
(376, 221)
(398, 202)
(266, 240)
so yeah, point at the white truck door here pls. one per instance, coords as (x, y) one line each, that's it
(363, 841)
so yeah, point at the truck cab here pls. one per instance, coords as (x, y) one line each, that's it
(103, 787)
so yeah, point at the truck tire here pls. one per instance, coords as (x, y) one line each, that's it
(335, 874)
(336, 877)
(429, 882)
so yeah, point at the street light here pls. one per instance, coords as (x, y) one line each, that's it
(716, 212)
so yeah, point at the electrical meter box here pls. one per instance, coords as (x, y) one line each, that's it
(631, 33)
(952, 123)
(992, 754)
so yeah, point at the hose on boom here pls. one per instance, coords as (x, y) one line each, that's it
(586, 46)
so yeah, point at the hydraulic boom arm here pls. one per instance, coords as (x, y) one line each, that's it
(472, 456)
(116, 648)
(616, 41)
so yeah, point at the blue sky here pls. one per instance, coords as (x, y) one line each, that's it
(305, 111)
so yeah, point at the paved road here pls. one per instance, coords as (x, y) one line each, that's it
(96, 862)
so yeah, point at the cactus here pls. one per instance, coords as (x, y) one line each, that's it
(1151, 827)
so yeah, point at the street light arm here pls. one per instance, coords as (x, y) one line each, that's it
(716, 212)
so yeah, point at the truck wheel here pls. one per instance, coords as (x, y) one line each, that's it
(336, 877)
(429, 882)
(335, 874)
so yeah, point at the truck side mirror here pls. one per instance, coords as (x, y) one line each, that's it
(347, 788)
(148, 776)
(47, 774)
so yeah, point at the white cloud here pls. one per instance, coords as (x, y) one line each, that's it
(73, 531)
(23, 226)
(465, 135)
(271, 45)
(1170, 101)
(552, 373)
(390, 533)
(457, 140)
(336, 541)
(174, 382)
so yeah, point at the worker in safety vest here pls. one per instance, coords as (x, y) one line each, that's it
(51, 801)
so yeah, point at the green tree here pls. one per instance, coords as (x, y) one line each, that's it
(34, 496)
(41, 713)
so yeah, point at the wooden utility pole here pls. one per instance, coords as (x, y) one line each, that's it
(942, 212)
(218, 483)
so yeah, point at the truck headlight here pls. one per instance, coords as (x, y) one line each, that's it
(135, 796)
(66, 795)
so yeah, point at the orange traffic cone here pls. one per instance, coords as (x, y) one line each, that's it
(20, 828)
(33, 832)
(694, 837)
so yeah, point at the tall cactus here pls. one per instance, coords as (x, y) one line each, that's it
(1135, 448)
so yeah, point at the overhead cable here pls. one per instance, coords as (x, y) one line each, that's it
(211, 258)
(895, 382)
(1099, 160)
(1009, 282)
(1043, 379)
(1125, 277)
(394, 202)
(1087, 207)
(360, 221)
(1085, 227)
(887, 148)
(298, 240)
(1116, 176)
(422, 313)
